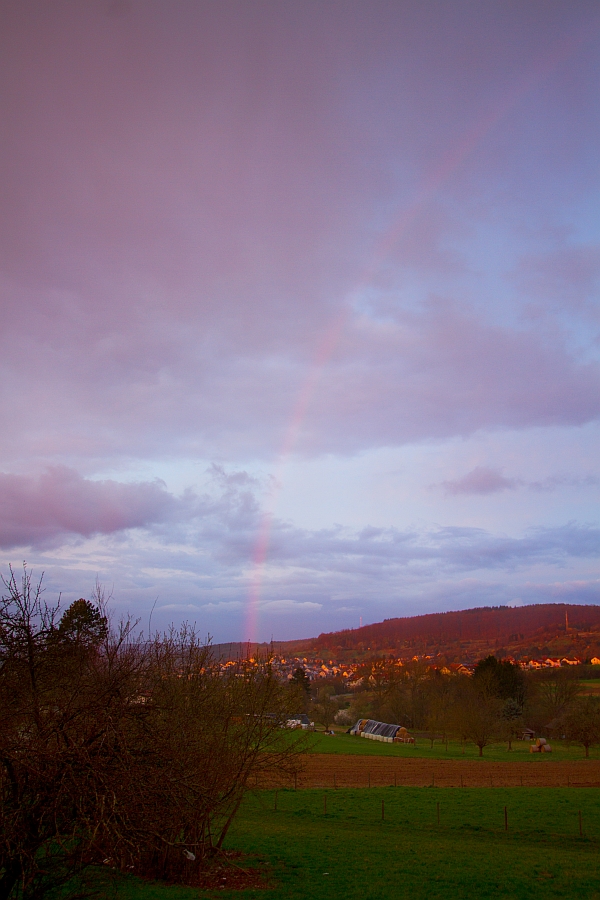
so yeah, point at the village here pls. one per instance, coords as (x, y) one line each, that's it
(354, 675)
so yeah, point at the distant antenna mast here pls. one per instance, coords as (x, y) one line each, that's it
(566, 620)
(360, 626)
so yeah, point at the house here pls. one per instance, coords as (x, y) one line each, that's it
(300, 721)
(595, 661)
(460, 669)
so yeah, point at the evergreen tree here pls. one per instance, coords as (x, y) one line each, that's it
(83, 624)
(500, 678)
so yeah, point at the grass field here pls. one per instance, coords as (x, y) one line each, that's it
(334, 843)
(348, 744)
(349, 852)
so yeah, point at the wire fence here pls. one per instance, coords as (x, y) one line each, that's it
(574, 814)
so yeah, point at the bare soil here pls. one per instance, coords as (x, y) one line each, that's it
(338, 771)
(221, 876)
(228, 871)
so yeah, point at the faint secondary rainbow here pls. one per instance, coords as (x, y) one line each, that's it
(472, 137)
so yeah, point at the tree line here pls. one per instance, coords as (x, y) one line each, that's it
(498, 702)
(119, 750)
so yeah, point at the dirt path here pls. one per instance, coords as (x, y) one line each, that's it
(331, 770)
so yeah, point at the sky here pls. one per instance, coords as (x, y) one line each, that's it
(299, 307)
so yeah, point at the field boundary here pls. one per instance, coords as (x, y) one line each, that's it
(336, 771)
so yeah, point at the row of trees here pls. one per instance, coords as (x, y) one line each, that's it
(115, 749)
(497, 703)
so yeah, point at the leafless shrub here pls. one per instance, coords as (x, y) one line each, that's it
(118, 749)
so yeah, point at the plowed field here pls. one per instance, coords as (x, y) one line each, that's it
(331, 771)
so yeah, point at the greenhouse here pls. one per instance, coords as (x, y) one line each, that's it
(382, 731)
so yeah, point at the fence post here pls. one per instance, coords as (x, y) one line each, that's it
(276, 801)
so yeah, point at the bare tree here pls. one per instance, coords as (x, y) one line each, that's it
(512, 721)
(61, 703)
(552, 694)
(476, 716)
(115, 748)
(581, 722)
(210, 732)
(325, 708)
(395, 704)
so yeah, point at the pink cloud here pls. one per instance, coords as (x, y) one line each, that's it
(481, 480)
(60, 503)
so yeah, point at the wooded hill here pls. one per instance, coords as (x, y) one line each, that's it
(552, 629)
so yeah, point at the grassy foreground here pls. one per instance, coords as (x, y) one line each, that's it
(351, 745)
(349, 852)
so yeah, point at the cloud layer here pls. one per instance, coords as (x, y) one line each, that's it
(182, 234)
(254, 233)
(195, 556)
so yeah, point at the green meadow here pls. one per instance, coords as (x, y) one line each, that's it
(347, 744)
(388, 843)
